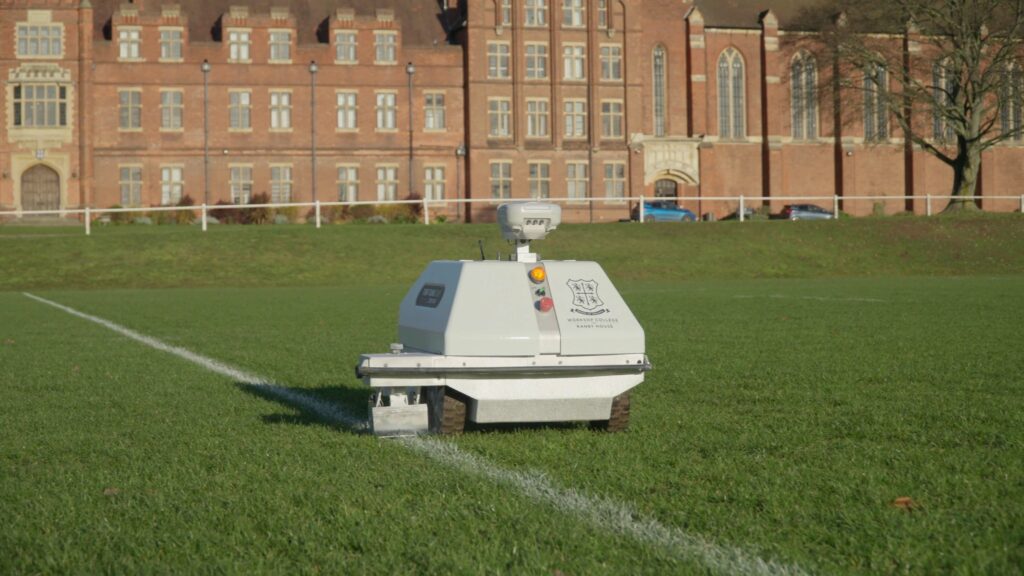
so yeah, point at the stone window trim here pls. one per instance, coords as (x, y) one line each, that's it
(614, 182)
(129, 90)
(574, 13)
(240, 182)
(349, 59)
(435, 180)
(180, 106)
(245, 43)
(500, 180)
(340, 126)
(539, 178)
(538, 116)
(171, 190)
(611, 114)
(127, 43)
(132, 185)
(271, 44)
(499, 60)
(180, 42)
(283, 109)
(245, 107)
(804, 117)
(577, 181)
(535, 13)
(26, 27)
(499, 118)
(574, 62)
(387, 181)
(732, 95)
(537, 60)
(439, 109)
(56, 111)
(385, 47)
(283, 186)
(393, 108)
(612, 64)
(347, 182)
(876, 113)
(575, 117)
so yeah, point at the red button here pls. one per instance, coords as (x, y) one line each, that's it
(545, 304)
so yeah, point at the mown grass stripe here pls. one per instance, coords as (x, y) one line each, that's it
(601, 513)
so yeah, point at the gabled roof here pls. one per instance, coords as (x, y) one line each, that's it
(421, 20)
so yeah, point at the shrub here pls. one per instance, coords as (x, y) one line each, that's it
(291, 213)
(120, 217)
(227, 215)
(185, 216)
(440, 218)
(336, 214)
(260, 215)
(399, 213)
(361, 212)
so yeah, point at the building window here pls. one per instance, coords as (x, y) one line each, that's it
(238, 46)
(434, 112)
(499, 114)
(540, 180)
(615, 180)
(501, 180)
(347, 108)
(505, 17)
(130, 109)
(131, 185)
(129, 42)
(876, 117)
(659, 90)
(575, 118)
(574, 62)
(1012, 104)
(170, 45)
(537, 114)
(731, 96)
(804, 88)
(536, 12)
(39, 40)
(348, 183)
(241, 184)
(576, 180)
(387, 182)
(498, 60)
(433, 183)
(345, 47)
(386, 46)
(386, 111)
(611, 62)
(40, 106)
(281, 184)
(611, 119)
(280, 46)
(280, 110)
(572, 13)
(536, 61)
(602, 14)
(944, 87)
(172, 109)
(240, 110)
(171, 185)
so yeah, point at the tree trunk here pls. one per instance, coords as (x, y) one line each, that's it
(965, 177)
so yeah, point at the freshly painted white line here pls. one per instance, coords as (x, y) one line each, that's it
(326, 410)
(820, 298)
(600, 513)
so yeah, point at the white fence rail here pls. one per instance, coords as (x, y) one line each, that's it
(88, 213)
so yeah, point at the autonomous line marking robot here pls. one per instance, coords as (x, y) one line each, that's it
(517, 341)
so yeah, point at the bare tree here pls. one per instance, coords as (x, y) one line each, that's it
(954, 88)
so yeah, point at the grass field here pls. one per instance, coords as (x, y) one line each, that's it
(806, 376)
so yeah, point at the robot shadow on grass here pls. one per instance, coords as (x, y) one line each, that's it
(355, 402)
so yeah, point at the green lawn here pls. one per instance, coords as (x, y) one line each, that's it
(805, 377)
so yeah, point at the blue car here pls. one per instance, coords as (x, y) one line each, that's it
(664, 211)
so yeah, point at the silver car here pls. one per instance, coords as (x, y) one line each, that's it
(805, 212)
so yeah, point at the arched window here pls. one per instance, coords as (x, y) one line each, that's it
(876, 116)
(659, 90)
(804, 90)
(1011, 104)
(945, 88)
(731, 96)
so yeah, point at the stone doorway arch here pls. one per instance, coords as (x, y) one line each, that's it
(666, 188)
(40, 188)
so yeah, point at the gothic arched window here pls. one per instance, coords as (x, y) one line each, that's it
(945, 88)
(1011, 104)
(731, 95)
(659, 90)
(804, 90)
(876, 115)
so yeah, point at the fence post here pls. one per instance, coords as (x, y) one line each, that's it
(1022, 203)
(317, 213)
(743, 217)
(204, 217)
(641, 208)
(835, 206)
(426, 214)
(88, 222)
(928, 205)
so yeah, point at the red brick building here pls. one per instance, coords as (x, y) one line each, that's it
(141, 103)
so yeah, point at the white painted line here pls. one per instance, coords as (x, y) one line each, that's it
(819, 298)
(600, 513)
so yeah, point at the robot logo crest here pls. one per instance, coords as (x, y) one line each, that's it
(585, 297)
